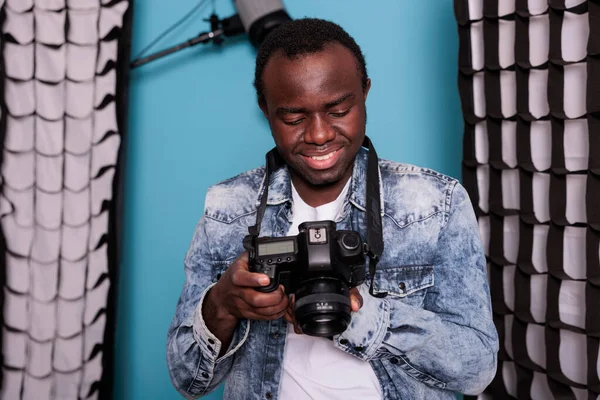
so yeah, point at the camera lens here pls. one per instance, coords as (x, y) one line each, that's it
(322, 307)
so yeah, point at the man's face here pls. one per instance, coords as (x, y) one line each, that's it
(315, 105)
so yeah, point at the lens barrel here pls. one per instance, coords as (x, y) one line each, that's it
(322, 307)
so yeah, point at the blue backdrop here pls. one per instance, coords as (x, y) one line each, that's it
(194, 121)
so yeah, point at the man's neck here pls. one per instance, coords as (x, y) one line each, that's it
(316, 196)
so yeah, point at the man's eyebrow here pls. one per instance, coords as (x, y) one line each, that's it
(297, 110)
(290, 110)
(339, 100)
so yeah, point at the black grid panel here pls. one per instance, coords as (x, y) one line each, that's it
(63, 74)
(529, 82)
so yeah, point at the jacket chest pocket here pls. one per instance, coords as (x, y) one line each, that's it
(408, 282)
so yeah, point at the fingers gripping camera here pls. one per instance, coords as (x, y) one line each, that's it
(319, 266)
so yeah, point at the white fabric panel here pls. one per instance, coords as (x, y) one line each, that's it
(539, 387)
(50, 62)
(48, 209)
(73, 213)
(105, 120)
(44, 279)
(19, 24)
(574, 262)
(50, 4)
(511, 238)
(66, 385)
(20, 238)
(484, 231)
(14, 345)
(536, 7)
(509, 142)
(508, 282)
(508, 93)
(576, 189)
(24, 198)
(540, 238)
(481, 143)
(80, 21)
(46, 245)
(510, 189)
(111, 17)
(49, 136)
(509, 375)
(68, 353)
(538, 93)
(17, 273)
(74, 241)
(49, 172)
(479, 94)
(575, 76)
(50, 99)
(573, 349)
(576, 144)
(50, 26)
(571, 303)
(19, 133)
(483, 186)
(20, 97)
(81, 61)
(539, 43)
(475, 9)
(19, 5)
(541, 144)
(108, 52)
(19, 60)
(103, 154)
(506, 7)
(574, 35)
(72, 279)
(77, 170)
(538, 285)
(541, 202)
(78, 135)
(536, 344)
(101, 189)
(39, 357)
(79, 99)
(506, 43)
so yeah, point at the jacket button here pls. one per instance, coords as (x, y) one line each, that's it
(211, 341)
(275, 335)
(268, 395)
(359, 348)
(204, 375)
(402, 286)
(288, 205)
(343, 341)
(394, 360)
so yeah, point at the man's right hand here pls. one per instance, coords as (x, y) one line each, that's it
(235, 297)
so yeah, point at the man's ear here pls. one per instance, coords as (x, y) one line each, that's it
(263, 107)
(367, 88)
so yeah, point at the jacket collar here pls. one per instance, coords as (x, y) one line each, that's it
(280, 187)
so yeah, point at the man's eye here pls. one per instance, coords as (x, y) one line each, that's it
(294, 122)
(339, 114)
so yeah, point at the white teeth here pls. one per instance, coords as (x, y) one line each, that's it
(325, 157)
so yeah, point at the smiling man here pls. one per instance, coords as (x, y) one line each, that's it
(431, 336)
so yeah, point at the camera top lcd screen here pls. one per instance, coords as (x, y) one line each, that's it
(279, 247)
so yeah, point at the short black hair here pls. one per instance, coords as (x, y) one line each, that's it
(304, 36)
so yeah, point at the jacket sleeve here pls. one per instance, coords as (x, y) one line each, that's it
(192, 350)
(451, 342)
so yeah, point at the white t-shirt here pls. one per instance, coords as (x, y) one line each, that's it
(312, 367)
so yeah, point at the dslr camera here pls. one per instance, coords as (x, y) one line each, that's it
(319, 265)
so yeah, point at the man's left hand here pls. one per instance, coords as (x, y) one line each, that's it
(356, 302)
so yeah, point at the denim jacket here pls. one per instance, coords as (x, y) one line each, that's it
(432, 335)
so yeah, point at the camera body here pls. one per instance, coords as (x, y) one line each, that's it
(319, 266)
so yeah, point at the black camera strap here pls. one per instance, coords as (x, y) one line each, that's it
(374, 245)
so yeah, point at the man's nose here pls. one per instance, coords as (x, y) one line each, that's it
(319, 131)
